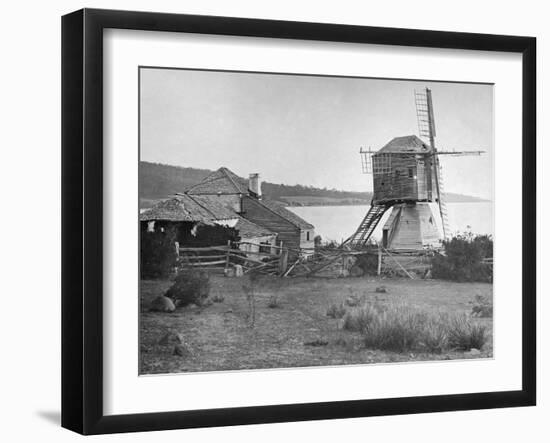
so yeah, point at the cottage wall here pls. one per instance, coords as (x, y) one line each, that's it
(306, 238)
(259, 214)
(253, 244)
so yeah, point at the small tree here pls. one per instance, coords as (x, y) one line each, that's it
(158, 255)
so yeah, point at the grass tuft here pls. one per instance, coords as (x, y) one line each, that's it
(336, 310)
(465, 335)
(400, 328)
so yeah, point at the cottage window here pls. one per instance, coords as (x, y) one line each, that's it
(307, 235)
(411, 172)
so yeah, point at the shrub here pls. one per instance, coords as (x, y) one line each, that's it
(465, 335)
(463, 259)
(368, 263)
(191, 286)
(359, 319)
(158, 255)
(336, 310)
(482, 307)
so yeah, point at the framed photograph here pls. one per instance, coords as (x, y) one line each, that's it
(268, 221)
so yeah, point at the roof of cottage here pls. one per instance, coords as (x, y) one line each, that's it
(222, 181)
(282, 211)
(247, 229)
(192, 208)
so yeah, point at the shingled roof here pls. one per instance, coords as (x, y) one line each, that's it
(188, 208)
(247, 229)
(222, 181)
(403, 145)
(289, 216)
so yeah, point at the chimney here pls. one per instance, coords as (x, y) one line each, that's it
(255, 185)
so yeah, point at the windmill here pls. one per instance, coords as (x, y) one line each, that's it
(407, 178)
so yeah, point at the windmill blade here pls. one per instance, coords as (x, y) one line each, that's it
(458, 153)
(442, 200)
(424, 114)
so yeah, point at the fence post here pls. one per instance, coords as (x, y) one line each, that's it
(379, 271)
(283, 260)
(227, 254)
(177, 246)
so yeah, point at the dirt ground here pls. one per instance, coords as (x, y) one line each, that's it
(221, 336)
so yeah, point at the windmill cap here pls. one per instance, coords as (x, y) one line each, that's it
(405, 144)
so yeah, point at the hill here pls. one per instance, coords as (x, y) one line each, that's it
(158, 181)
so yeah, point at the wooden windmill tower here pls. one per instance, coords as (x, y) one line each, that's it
(407, 178)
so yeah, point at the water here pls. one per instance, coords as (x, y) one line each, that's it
(339, 222)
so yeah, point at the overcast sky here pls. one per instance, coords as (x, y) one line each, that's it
(308, 129)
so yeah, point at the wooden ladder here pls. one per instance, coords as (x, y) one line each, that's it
(367, 226)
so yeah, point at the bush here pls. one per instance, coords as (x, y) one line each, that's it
(463, 259)
(464, 335)
(336, 310)
(368, 263)
(360, 319)
(482, 307)
(191, 286)
(158, 255)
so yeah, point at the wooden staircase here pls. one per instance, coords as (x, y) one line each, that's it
(367, 226)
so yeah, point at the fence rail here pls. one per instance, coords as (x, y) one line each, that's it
(224, 257)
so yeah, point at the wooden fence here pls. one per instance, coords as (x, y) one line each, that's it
(224, 257)
(328, 262)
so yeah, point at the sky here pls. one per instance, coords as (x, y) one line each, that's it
(308, 129)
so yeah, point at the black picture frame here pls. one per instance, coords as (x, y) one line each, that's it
(82, 215)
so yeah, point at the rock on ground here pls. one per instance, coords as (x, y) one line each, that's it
(171, 337)
(162, 304)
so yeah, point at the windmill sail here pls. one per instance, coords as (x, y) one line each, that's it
(426, 129)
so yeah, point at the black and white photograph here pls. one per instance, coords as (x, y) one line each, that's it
(290, 220)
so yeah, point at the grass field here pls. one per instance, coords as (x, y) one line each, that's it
(222, 338)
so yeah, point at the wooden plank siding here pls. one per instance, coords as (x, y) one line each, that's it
(400, 177)
(288, 233)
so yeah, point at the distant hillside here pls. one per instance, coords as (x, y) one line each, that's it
(158, 181)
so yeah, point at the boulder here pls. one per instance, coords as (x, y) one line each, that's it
(170, 338)
(162, 304)
(381, 289)
(474, 351)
